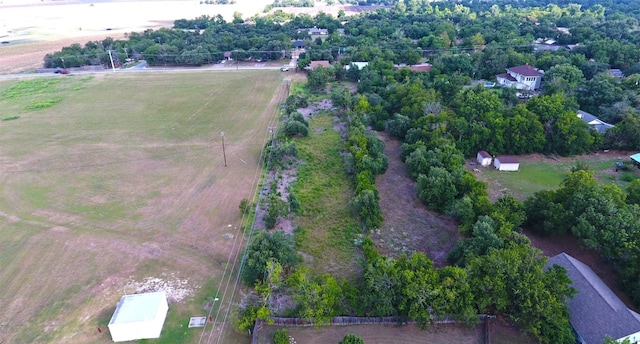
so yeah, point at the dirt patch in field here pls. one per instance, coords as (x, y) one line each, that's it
(381, 334)
(409, 226)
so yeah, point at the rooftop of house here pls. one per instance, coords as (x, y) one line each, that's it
(594, 121)
(595, 311)
(525, 70)
(616, 72)
(422, 67)
(322, 63)
(506, 76)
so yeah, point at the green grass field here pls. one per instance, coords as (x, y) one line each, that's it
(327, 227)
(109, 179)
(548, 174)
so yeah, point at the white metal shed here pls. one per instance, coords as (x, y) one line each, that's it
(139, 316)
(506, 163)
(483, 158)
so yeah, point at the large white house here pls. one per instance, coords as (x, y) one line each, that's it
(523, 77)
(595, 312)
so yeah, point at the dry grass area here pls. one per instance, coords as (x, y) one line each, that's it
(409, 226)
(35, 28)
(119, 184)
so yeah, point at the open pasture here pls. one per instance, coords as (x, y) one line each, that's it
(116, 183)
(539, 173)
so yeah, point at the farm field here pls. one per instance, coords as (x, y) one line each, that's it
(34, 28)
(539, 173)
(115, 184)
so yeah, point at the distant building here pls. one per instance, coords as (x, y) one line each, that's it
(616, 73)
(523, 77)
(316, 64)
(595, 312)
(636, 159)
(359, 65)
(422, 67)
(506, 163)
(298, 44)
(484, 159)
(594, 122)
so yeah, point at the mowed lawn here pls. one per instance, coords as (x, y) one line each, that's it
(112, 179)
(538, 173)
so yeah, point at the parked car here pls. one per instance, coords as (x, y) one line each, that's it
(284, 69)
(64, 71)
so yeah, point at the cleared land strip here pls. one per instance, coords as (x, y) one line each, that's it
(230, 278)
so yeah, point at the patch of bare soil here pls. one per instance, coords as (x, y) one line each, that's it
(381, 334)
(503, 331)
(409, 226)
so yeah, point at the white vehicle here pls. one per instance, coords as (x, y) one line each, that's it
(284, 69)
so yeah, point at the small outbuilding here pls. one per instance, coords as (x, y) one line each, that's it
(139, 316)
(484, 159)
(506, 163)
(636, 159)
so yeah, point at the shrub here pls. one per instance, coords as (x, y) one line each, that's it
(293, 127)
(351, 339)
(281, 336)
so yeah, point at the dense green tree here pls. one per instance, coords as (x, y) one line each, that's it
(512, 281)
(263, 248)
(318, 299)
(436, 189)
(563, 78)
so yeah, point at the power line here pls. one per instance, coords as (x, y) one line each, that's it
(236, 248)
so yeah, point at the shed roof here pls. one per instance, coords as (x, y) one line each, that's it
(507, 160)
(635, 157)
(138, 307)
(595, 311)
(525, 70)
(484, 154)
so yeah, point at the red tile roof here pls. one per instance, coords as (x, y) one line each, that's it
(316, 64)
(506, 76)
(525, 70)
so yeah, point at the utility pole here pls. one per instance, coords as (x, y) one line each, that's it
(63, 66)
(223, 152)
(111, 58)
(272, 130)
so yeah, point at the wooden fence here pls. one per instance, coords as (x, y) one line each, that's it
(344, 321)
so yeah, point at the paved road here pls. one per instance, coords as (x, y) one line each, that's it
(142, 67)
